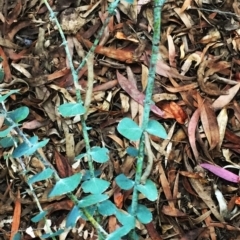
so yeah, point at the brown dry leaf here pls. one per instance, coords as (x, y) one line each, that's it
(63, 166)
(171, 51)
(172, 211)
(192, 126)
(212, 36)
(223, 100)
(210, 124)
(222, 120)
(178, 113)
(193, 234)
(165, 185)
(152, 231)
(186, 5)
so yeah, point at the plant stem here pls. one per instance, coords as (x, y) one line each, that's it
(158, 4)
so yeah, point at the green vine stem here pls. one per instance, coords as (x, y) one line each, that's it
(74, 71)
(158, 4)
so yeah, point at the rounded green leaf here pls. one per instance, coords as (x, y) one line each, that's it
(92, 199)
(24, 147)
(123, 182)
(5, 132)
(73, 216)
(156, 129)
(71, 109)
(45, 174)
(95, 185)
(66, 185)
(19, 114)
(149, 190)
(8, 142)
(99, 154)
(106, 208)
(129, 129)
(119, 233)
(143, 214)
(125, 219)
(17, 236)
(39, 216)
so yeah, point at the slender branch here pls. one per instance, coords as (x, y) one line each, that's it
(158, 4)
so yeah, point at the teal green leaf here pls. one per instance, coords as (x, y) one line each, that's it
(143, 214)
(71, 109)
(66, 185)
(149, 190)
(51, 235)
(123, 182)
(39, 216)
(91, 210)
(8, 142)
(106, 208)
(132, 151)
(95, 185)
(17, 236)
(19, 114)
(87, 174)
(125, 219)
(25, 149)
(45, 174)
(99, 154)
(129, 129)
(92, 199)
(5, 132)
(129, 1)
(80, 156)
(73, 216)
(119, 233)
(156, 129)
(2, 98)
(1, 75)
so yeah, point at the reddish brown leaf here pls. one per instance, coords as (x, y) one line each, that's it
(172, 211)
(139, 97)
(193, 234)
(63, 166)
(210, 124)
(16, 216)
(152, 231)
(178, 113)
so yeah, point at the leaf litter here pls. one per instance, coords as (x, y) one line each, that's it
(196, 97)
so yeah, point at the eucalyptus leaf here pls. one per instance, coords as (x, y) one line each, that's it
(149, 190)
(45, 174)
(3, 97)
(8, 142)
(123, 182)
(106, 208)
(39, 216)
(156, 129)
(95, 185)
(143, 214)
(73, 216)
(129, 129)
(54, 234)
(19, 114)
(132, 151)
(66, 185)
(87, 174)
(17, 236)
(6, 131)
(119, 233)
(92, 199)
(99, 154)
(71, 109)
(125, 219)
(25, 149)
